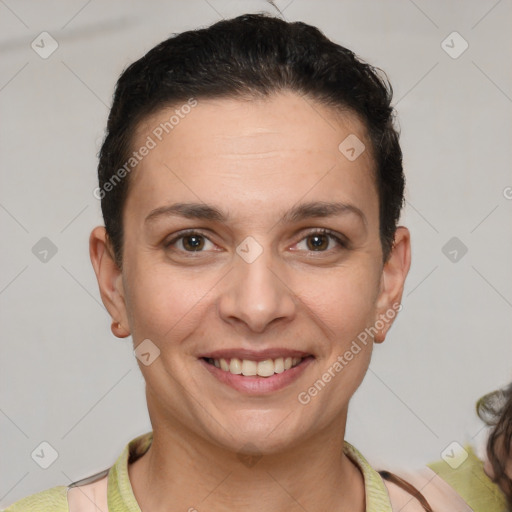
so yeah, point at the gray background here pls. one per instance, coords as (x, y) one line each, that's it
(65, 379)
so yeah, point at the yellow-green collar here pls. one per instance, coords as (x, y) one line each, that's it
(121, 498)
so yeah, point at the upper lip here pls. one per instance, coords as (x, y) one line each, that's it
(254, 355)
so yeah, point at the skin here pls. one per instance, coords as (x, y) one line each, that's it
(253, 160)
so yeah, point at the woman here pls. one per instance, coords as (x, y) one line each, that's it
(251, 183)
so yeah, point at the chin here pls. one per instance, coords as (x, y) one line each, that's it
(260, 434)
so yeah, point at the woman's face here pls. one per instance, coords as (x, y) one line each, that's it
(241, 270)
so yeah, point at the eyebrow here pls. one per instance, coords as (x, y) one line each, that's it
(303, 211)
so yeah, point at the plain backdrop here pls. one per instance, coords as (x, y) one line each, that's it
(67, 381)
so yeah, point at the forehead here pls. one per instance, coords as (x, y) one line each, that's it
(258, 150)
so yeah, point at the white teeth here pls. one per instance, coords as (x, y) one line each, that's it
(266, 368)
(235, 366)
(249, 368)
(279, 365)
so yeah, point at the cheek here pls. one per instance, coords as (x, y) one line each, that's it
(343, 299)
(163, 304)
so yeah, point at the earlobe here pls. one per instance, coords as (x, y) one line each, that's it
(394, 273)
(109, 277)
(118, 330)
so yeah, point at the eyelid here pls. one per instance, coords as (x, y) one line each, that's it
(186, 232)
(340, 239)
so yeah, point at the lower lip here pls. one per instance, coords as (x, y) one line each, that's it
(258, 385)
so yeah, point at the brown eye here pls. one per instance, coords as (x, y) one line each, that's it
(320, 240)
(190, 242)
(193, 242)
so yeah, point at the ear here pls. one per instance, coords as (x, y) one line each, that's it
(394, 272)
(110, 280)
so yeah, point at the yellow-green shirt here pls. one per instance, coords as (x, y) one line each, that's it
(472, 484)
(120, 493)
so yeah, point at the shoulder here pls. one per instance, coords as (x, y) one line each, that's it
(49, 500)
(89, 497)
(86, 495)
(468, 478)
(458, 483)
(439, 495)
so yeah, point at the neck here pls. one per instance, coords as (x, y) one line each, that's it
(183, 471)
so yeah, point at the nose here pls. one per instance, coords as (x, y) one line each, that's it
(256, 294)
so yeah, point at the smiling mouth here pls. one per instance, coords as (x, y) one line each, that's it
(249, 368)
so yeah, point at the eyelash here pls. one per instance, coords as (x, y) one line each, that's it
(342, 244)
